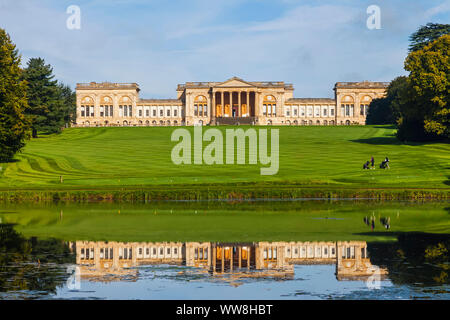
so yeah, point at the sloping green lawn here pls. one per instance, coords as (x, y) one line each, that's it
(89, 158)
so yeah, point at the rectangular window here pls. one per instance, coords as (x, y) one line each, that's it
(106, 111)
(111, 113)
(264, 110)
(154, 112)
(361, 111)
(317, 111)
(274, 110)
(161, 113)
(140, 112)
(195, 110)
(342, 109)
(302, 111)
(332, 112)
(129, 111)
(324, 112)
(205, 113)
(147, 113)
(175, 112)
(295, 112)
(168, 112)
(82, 111)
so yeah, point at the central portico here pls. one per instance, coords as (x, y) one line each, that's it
(234, 101)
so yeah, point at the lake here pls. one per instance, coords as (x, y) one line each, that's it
(302, 249)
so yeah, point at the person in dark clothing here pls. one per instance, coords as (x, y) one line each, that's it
(372, 163)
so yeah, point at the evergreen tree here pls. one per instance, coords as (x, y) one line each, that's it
(14, 127)
(427, 34)
(50, 103)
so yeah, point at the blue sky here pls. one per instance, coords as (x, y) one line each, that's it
(160, 43)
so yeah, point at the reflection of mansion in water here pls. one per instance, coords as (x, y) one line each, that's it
(231, 102)
(112, 260)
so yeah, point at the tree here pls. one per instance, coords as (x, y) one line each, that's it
(425, 102)
(427, 34)
(387, 110)
(50, 103)
(14, 127)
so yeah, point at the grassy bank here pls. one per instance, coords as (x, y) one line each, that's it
(135, 164)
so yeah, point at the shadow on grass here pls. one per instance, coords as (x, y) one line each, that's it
(9, 161)
(384, 126)
(404, 234)
(392, 140)
(447, 182)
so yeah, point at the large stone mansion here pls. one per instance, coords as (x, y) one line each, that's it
(232, 102)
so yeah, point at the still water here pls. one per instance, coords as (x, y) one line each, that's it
(226, 250)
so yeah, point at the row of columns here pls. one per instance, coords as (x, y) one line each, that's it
(230, 94)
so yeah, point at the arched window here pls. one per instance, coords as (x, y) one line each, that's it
(270, 106)
(347, 106)
(125, 107)
(201, 106)
(347, 123)
(87, 107)
(106, 106)
(364, 105)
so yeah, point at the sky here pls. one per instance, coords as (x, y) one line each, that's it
(160, 43)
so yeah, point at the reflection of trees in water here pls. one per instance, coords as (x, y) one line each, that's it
(32, 265)
(416, 258)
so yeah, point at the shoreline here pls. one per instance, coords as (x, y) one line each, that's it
(223, 192)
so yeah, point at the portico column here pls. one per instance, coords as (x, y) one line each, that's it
(231, 259)
(223, 102)
(231, 102)
(239, 104)
(257, 97)
(213, 109)
(247, 101)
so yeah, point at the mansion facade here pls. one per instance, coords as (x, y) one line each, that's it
(232, 102)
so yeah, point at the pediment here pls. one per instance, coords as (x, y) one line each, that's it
(234, 82)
